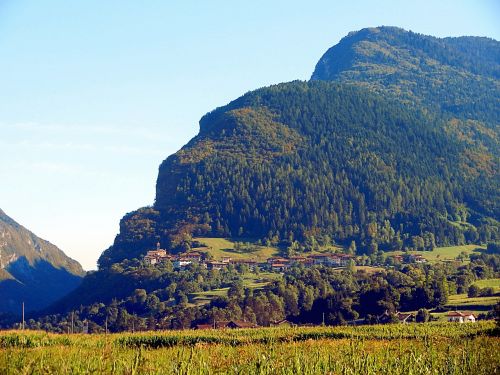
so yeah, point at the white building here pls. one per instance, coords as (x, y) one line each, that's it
(461, 317)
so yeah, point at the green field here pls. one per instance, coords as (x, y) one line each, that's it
(462, 302)
(250, 280)
(489, 283)
(222, 247)
(391, 349)
(440, 254)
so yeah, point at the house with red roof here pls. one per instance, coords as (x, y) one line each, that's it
(461, 317)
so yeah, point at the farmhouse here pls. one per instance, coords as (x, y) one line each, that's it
(405, 317)
(460, 317)
(251, 264)
(279, 267)
(236, 324)
(182, 262)
(214, 265)
(272, 260)
(232, 324)
(400, 317)
(333, 260)
(194, 256)
(320, 258)
(417, 258)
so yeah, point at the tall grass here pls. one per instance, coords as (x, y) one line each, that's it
(391, 349)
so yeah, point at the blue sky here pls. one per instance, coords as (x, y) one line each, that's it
(95, 94)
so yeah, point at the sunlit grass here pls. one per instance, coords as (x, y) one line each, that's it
(391, 349)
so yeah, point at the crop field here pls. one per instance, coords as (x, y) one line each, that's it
(437, 348)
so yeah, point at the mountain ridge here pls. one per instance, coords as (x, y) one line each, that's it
(33, 270)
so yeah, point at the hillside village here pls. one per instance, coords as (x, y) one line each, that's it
(274, 264)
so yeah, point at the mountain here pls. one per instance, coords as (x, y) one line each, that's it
(392, 144)
(32, 270)
(412, 150)
(458, 77)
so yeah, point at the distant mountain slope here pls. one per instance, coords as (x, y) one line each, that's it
(458, 77)
(32, 269)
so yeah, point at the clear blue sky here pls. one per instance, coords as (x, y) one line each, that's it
(95, 94)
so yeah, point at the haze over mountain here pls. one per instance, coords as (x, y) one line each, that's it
(32, 270)
(394, 143)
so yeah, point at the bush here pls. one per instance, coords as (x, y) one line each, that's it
(473, 291)
(423, 316)
(487, 292)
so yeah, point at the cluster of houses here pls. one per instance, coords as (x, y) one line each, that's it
(277, 264)
(410, 258)
(410, 317)
(280, 264)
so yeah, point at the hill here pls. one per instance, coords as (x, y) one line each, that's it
(374, 153)
(31, 269)
(405, 146)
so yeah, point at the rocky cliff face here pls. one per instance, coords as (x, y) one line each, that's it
(31, 269)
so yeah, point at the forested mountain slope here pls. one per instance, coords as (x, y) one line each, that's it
(400, 151)
(32, 270)
(456, 75)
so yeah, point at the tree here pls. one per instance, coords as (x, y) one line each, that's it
(473, 291)
(422, 316)
(352, 248)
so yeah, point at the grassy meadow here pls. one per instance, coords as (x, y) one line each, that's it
(443, 254)
(440, 348)
(250, 280)
(489, 283)
(222, 247)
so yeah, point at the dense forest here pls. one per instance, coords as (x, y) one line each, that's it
(322, 160)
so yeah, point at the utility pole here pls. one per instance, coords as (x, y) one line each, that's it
(106, 325)
(72, 322)
(323, 318)
(23, 316)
